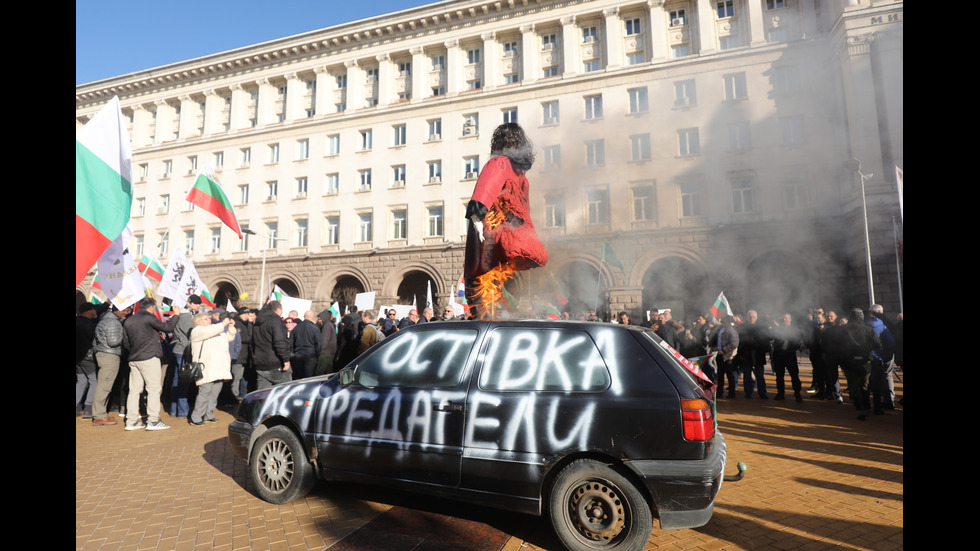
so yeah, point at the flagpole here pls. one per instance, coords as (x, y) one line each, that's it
(898, 267)
(854, 165)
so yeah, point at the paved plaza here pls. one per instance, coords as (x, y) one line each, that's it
(818, 479)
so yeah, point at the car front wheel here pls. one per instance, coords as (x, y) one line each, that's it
(594, 507)
(279, 468)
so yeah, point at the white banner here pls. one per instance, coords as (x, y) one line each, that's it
(364, 301)
(181, 280)
(119, 276)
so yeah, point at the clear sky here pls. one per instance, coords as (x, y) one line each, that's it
(115, 37)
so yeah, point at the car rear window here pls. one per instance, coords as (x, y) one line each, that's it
(543, 360)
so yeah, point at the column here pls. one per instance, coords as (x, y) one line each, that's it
(355, 85)
(706, 26)
(238, 118)
(420, 71)
(213, 104)
(164, 123)
(325, 85)
(614, 39)
(491, 61)
(267, 96)
(187, 120)
(659, 45)
(530, 52)
(454, 68)
(295, 90)
(386, 82)
(141, 126)
(569, 46)
(757, 26)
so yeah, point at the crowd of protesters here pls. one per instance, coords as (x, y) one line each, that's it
(120, 355)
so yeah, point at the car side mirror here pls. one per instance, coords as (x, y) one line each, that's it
(346, 376)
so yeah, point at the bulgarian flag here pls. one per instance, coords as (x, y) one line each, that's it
(95, 282)
(556, 287)
(103, 185)
(720, 307)
(94, 299)
(206, 298)
(508, 299)
(208, 195)
(549, 311)
(151, 269)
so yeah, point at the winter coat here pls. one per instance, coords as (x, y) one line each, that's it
(109, 334)
(306, 339)
(209, 345)
(270, 342)
(142, 338)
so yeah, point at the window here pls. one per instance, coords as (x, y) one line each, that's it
(597, 201)
(435, 172)
(688, 142)
(434, 220)
(471, 124)
(168, 168)
(775, 4)
(554, 211)
(510, 114)
(144, 171)
(471, 167)
(301, 233)
(474, 84)
(333, 144)
(726, 8)
(549, 112)
(302, 186)
(366, 140)
(243, 242)
(404, 96)
(188, 206)
(399, 131)
(243, 194)
(640, 147)
(738, 136)
(139, 245)
(778, 34)
(633, 26)
(331, 233)
(638, 100)
(272, 190)
(438, 90)
(405, 68)
(164, 204)
(549, 41)
(364, 227)
(593, 107)
(795, 193)
(510, 49)
(549, 72)
(473, 56)
(189, 241)
(690, 200)
(140, 209)
(215, 240)
(792, 129)
(341, 107)
(332, 184)
(303, 149)
(192, 164)
(678, 18)
(743, 196)
(246, 155)
(271, 235)
(678, 51)
(590, 66)
(635, 59)
(728, 42)
(365, 179)
(164, 243)
(398, 176)
(595, 153)
(274, 153)
(589, 35)
(371, 75)
(219, 160)
(642, 203)
(438, 62)
(435, 130)
(685, 93)
(512, 78)
(735, 87)
(785, 79)
(371, 102)
(398, 221)
(552, 157)
(511, 363)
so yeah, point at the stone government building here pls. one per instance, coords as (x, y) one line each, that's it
(704, 140)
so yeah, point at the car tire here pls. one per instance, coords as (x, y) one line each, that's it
(594, 507)
(279, 468)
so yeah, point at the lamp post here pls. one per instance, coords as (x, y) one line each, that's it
(262, 281)
(854, 165)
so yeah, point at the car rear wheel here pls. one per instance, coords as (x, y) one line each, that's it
(594, 507)
(279, 468)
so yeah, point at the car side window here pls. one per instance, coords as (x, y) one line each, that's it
(543, 360)
(418, 359)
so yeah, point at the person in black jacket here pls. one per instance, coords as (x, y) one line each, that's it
(270, 347)
(857, 342)
(85, 372)
(787, 340)
(307, 342)
(142, 339)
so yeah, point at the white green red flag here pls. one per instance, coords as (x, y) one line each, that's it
(103, 185)
(720, 307)
(94, 299)
(548, 310)
(609, 256)
(151, 268)
(208, 195)
(206, 298)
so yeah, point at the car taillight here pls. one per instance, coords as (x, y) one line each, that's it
(699, 424)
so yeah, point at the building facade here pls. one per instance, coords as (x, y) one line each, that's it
(706, 142)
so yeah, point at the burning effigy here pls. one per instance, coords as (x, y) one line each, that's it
(500, 239)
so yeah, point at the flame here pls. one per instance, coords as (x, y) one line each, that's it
(493, 219)
(489, 289)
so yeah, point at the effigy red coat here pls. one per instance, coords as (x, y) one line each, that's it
(500, 189)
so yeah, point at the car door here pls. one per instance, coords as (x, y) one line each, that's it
(402, 416)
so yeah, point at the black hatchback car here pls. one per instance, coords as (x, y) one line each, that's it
(596, 425)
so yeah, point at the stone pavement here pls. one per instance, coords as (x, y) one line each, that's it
(817, 479)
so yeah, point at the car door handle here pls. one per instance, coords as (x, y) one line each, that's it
(448, 406)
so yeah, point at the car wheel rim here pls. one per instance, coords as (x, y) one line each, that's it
(276, 465)
(597, 511)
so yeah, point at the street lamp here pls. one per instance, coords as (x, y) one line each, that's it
(854, 165)
(262, 282)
